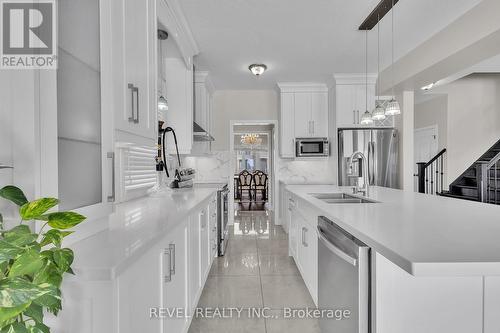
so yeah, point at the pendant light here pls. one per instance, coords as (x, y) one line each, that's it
(366, 118)
(393, 107)
(379, 112)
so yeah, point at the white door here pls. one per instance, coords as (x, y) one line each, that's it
(425, 145)
(319, 114)
(303, 126)
(204, 245)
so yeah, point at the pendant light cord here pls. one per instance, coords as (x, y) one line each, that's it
(392, 28)
(366, 68)
(378, 56)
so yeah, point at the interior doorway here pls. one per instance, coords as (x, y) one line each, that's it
(425, 146)
(253, 166)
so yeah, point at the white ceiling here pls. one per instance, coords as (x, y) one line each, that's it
(304, 40)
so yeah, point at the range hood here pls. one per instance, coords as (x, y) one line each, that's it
(199, 134)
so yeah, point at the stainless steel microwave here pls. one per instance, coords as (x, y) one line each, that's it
(312, 147)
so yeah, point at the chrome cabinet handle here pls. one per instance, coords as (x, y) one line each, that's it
(111, 155)
(172, 258)
(135, 108)
(304, 242)
(167, 263)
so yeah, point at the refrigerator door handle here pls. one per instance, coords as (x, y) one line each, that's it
(374, 164)
(371, 175)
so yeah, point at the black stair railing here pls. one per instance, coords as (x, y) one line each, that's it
(488, 181)
(430, 174)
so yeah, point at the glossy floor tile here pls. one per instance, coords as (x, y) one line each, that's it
(255, 272)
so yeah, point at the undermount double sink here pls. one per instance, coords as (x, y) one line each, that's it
(340, 198)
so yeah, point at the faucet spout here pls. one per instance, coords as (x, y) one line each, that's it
(365, 188)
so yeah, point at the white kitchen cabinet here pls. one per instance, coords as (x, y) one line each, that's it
(303, 113)
(204, 90)
(135, 70)
(179, 86)
(205, 257)
(293, 231)
(212, 210)
(319, 114)
(194, 260)
(139, 290)
(287, 123)
(175, 277)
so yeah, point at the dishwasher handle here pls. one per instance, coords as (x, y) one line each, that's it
(338, 252)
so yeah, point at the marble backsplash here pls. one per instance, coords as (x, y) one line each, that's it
(215, 168)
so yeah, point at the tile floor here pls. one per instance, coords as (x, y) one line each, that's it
(255, 272)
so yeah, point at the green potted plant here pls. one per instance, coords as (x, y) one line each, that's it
(32, 265)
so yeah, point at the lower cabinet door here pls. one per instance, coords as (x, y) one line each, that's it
(139, 290)
(204, 245)
(174, 284)
(194, 272)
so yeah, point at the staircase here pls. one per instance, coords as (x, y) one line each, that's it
(481, 181)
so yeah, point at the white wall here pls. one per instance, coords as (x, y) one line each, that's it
(240, 105)
(434, 112)
(256, 105)
(473, 120)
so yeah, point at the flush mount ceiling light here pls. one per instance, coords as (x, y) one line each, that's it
(428, 87)
(257, 69)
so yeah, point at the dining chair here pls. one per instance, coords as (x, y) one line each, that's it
(260, 184)
(245, 183)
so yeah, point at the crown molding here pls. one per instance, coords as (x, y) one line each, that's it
(171, 16)
(302, 87)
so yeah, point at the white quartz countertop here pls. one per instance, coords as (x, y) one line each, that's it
(134, 227)
(423, 234)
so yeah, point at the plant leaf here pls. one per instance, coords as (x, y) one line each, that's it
(35, 311)
(26, 264)
(65, 220)
(8, 251)
(63, 259)
(8, 313)
(50, 300)
(39, 328)
(15, 328)
(17, 291)
(34, 209)
(55, 237)
(13, 194)
(48, 274)
(20, 235)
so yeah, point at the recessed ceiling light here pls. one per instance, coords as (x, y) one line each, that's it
(257, 69)
(428, 87)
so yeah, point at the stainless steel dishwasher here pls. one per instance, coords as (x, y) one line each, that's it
(343, 280)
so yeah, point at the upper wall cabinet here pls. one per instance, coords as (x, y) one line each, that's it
(303, 113)
(353, 97)
(135, 69)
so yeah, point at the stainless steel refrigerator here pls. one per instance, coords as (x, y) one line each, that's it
(379, 145)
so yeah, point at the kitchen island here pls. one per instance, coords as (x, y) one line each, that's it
(435, 260)
(155, 252)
